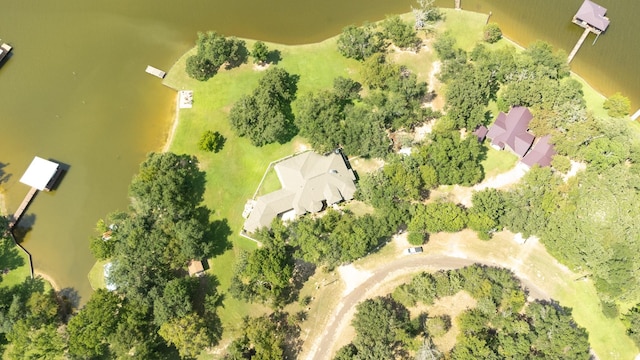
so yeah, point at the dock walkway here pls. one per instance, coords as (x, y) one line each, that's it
(23, 207)
(573, 53)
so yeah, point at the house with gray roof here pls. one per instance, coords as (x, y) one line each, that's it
(593, 15)
(310, 182)
(541, 153)
(511, 130)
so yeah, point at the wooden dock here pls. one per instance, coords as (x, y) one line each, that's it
(23, 207)
(155, 72)
(573, 53)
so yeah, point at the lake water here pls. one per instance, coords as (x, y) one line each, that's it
(75, 89)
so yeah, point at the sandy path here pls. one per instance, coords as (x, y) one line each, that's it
(436, 259)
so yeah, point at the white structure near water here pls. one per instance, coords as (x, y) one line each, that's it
(40, 173)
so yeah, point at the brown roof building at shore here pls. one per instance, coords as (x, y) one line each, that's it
(592, 14)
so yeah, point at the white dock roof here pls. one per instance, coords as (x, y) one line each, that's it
(39, 173)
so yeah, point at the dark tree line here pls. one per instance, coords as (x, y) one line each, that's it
(340, 117)
(156, 309)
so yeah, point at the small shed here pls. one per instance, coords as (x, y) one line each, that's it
(196, 268)
(40, 174)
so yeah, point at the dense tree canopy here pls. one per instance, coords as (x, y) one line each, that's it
(381, 325)
(264, 275)
(149, 248)
(501, 325)
(90, 330)
(492, 33)
(214, 50)
(265, 116)
(455, 161)
(400, 33)
(617, 105)
(360, 42)
(267, 337)
(260, 52)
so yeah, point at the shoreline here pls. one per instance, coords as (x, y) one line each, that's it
(46, 277)
(571, 72)
(174, 124)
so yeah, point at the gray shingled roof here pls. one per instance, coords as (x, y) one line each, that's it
(511, 130)
(541, 153)
(309, 181)
(593, 14)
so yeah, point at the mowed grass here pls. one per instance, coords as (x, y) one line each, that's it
(234, 173)
(497, 162)
(465, 26)
(270, 183)
(17, 262)
(96, 275)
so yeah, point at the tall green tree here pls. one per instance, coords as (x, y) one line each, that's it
(189, 334)
(360, 42)
(455, 161)
(617, 105)
(400, 33)
(381, 324)
(265, 116)
(260, 52)
(90, 330)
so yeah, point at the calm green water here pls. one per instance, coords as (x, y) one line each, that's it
(75, 88)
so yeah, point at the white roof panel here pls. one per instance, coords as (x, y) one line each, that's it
(39, 173)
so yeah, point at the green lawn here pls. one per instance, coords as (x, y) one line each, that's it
(270, 183)
(234, 173)
(498, 162)
(465, 26)
(17, 263)
(96, 275)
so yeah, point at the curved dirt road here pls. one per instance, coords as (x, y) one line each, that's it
(343, 312)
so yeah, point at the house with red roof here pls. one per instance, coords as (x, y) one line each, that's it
(510, 130)
(541, 153)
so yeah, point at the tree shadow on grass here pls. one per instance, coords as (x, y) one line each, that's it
(218, 234)
(274, 57)
(218, 142)
(302, 271)
(10, 258)
(206, 300)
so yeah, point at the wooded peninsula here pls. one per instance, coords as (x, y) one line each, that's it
(495, 161)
